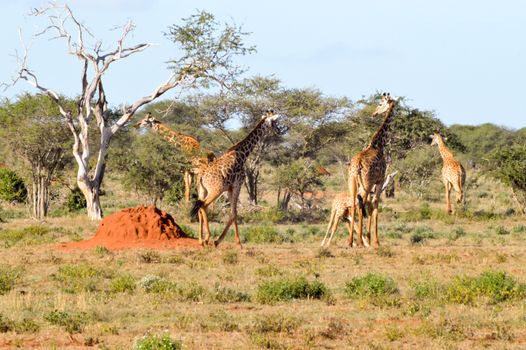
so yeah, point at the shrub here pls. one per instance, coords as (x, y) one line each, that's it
(457, 233)
(12, 187)
(6, 325)
(157, 342)
(264, 234)
(26, 326)
(519, 228)
(156, 284)
(8, 278)
(371, 285)
(73, 322)
(78, 278)
(276, 323)
(427, 289)
(501, 230)
(290, 288)
(222, 294)
(149, 256)
(494, 286)
(123, 284)
(75, 200)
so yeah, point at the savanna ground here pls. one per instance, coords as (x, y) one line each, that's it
(437, 282)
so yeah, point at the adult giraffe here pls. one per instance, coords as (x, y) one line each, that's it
(453, 173)
(188, 144)
(227, 173)
(367, 170)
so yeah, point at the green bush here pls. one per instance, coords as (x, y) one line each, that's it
(290, 288)
(223, 294)
(495, 287)
(123, 284)
(427, 289)
(371, 285)
(12, 187)
(8, 278)
(73, 322)
(457, 233)
(78, 278)
(156, 284)
(157, 342)
(75, 200)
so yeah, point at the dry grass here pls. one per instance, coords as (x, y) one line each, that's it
(207, 299)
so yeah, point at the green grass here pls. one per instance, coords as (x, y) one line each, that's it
(157, 342)
(286, 289)
(494, 287)
(123, 284)
(8, 278)
(371, 285)
(73, 322)
(31, 235)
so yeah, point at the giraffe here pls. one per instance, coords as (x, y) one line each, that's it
(367, 169)
(188, 144)
(341, 206)
(453, 173)
(226, 174)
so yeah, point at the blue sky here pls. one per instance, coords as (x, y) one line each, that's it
(466, 60)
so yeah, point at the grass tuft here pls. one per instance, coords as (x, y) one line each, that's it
(290, 288)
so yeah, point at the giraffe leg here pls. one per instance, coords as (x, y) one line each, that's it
(233, 195)
(203, 218)
(334, 228)
(369, 221)
(200, 214)
(331, 219)
(349, 228)
(448, 195)
(374, 215)
(351, 216)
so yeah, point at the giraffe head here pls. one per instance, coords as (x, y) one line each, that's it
(387, 102)
(435, 138)
(147, 122)
(270, 120)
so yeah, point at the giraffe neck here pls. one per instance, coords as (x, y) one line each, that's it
(442, 148)
(176, 138)
(381, 137)
(245, 146)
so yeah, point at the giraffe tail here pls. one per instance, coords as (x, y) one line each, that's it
(198, 204)
(361, 204)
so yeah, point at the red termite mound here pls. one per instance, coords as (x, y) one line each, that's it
(140, 227)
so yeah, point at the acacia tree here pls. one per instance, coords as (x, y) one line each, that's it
(207, 50)
(37, 139)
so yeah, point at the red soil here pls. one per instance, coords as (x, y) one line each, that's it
(138, 227)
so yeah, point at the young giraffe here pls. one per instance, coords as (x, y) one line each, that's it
(188, 144)
(367, 169)
(341, 206)
(227, 173)
(453, 173)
